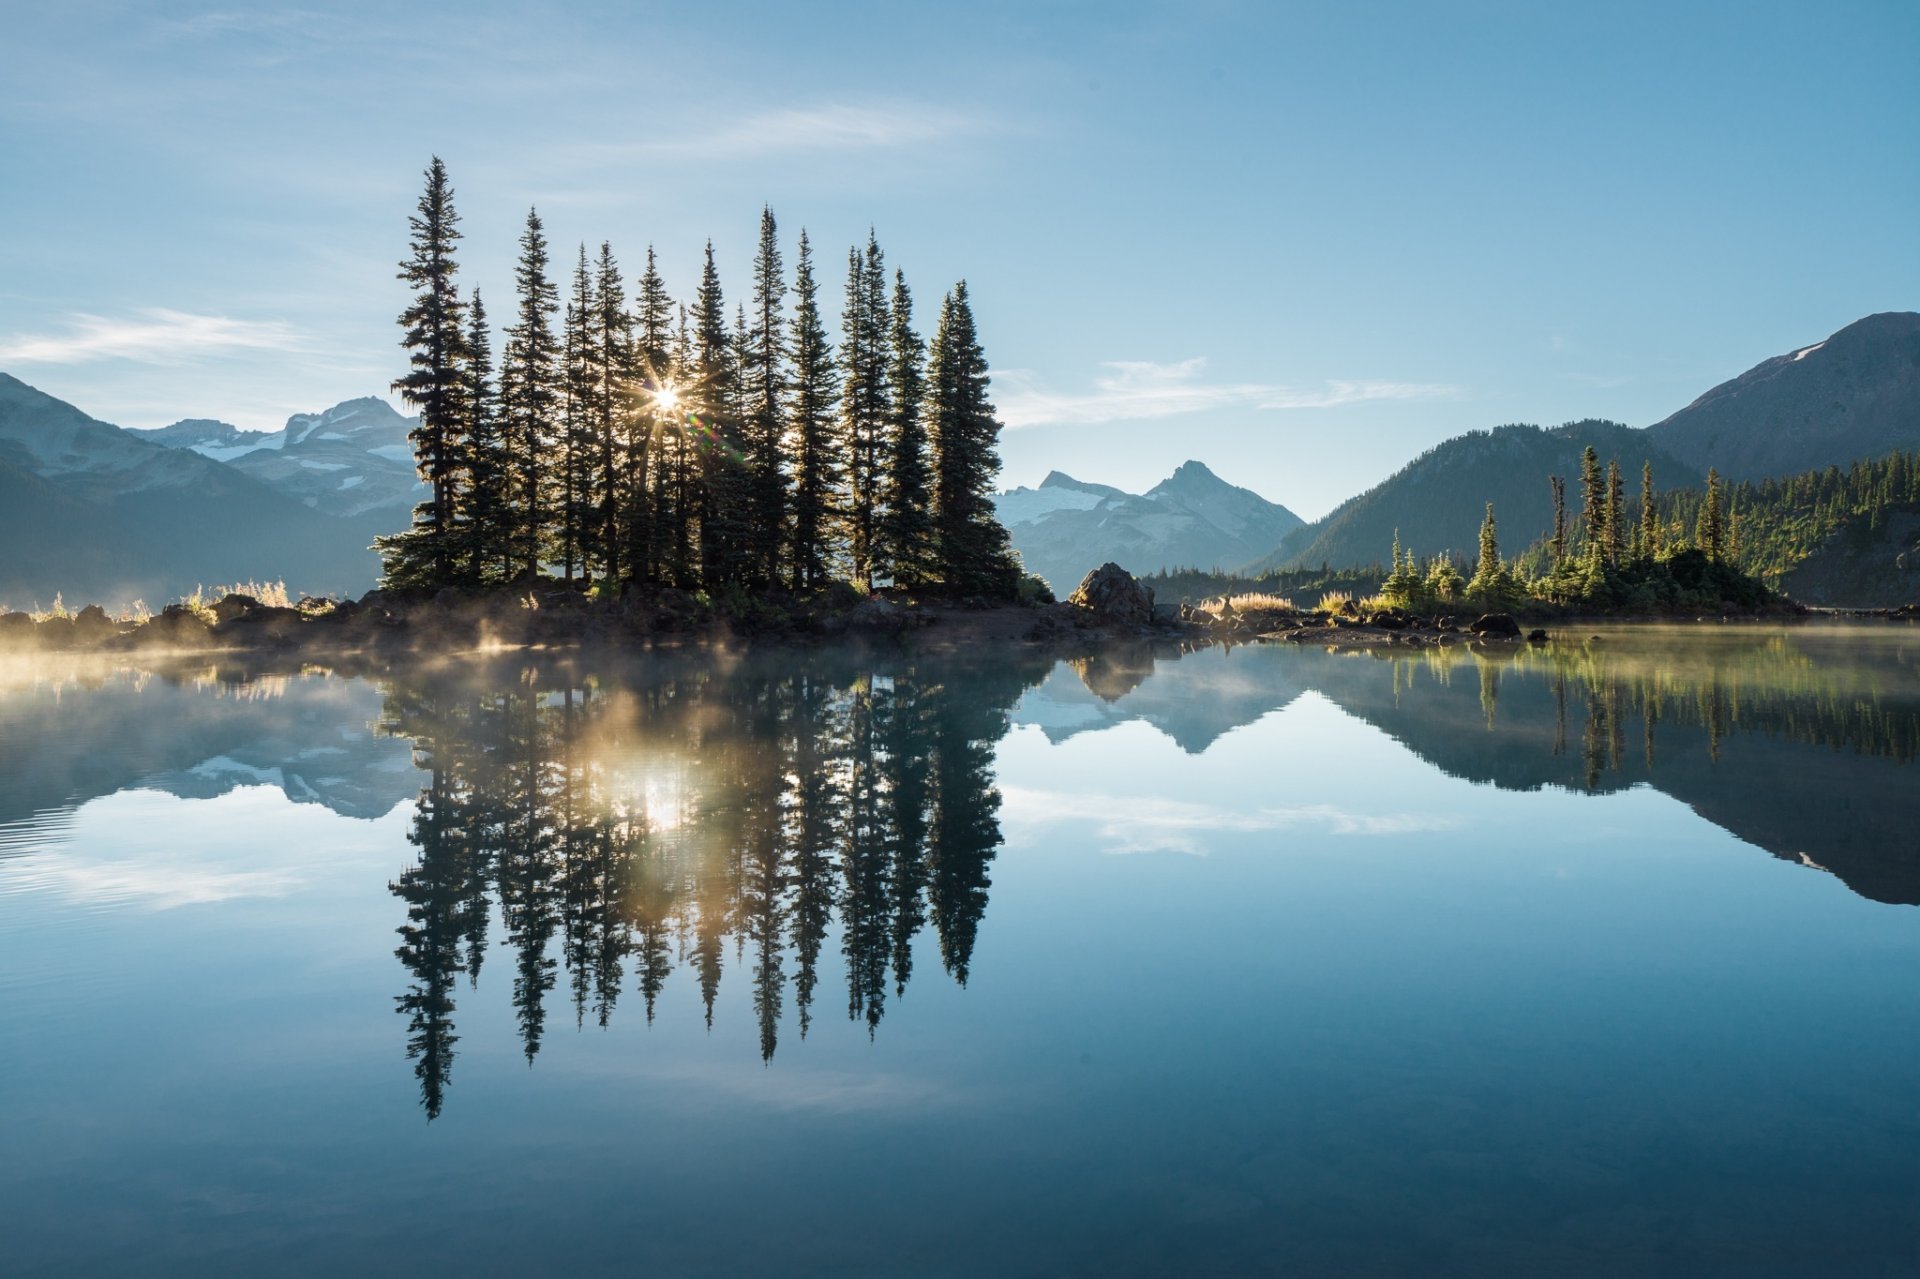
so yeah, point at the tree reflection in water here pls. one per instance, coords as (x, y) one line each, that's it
(640, 820)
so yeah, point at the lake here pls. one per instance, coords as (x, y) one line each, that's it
(1594, 959)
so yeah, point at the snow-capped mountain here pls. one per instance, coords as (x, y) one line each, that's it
(1193, 518)
(350, 460)
(103, 514)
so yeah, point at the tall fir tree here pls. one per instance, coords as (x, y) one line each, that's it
(486, 528)
(864, 401)
(529, 400)
(1649, 513)
(1615, 521)
(650, 485)
(818, 469)
(906, 530)
(610, 370)
(680, 541)
(972, 553)
(577, 434)
(1559, 542)
(763, 396)
(1593, 501)
(1487, 576)
(435, 340)
(723, 496)
(1710, 530)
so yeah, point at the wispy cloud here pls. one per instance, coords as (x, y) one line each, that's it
(1135, 389)
(1151, 824)
(152, 336)
(813, 129)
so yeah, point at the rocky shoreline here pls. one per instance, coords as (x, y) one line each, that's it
(1109, 605)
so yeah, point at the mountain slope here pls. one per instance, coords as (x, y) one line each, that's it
(98, 513)
(351, 460)
(1436, 501)
(1854, 396)
(1066, 527)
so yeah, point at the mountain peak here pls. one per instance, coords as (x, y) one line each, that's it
(1850, 396)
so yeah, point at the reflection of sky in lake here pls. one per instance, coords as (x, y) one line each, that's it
(1334, 1011)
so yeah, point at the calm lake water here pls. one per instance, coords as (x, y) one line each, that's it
(1595, 960)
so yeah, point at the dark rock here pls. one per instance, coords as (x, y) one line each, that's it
(91, 625)
(234, 606)
(260, 626)
(1501, 624)
(1536, 637)
(1390, 620)
(1112, 593)
(16, 628)
(876, 615)
(56, 633)
(176, 624)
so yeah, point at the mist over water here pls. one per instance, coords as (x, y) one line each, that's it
(1588, 959)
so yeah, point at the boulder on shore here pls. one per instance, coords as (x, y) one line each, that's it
(1112, 593)
(1496, 624)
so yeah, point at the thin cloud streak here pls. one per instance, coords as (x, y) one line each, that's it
(158, 336)
(1132, 390)
(815, 129)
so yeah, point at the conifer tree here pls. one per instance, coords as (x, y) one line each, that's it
(577, 436)
(1710, 530)
(1487, 578)
(722, 475)
(1649, 514)
(1559, 545)
(864, 401)
(1593, 500)
(680, 539)
(436, 344)
(763, 388)
(972, 554)
(610, 368)
(818, 471)
(650, 490)
(1616, 514)
(529, 399)
(906, 533)
(485, 521)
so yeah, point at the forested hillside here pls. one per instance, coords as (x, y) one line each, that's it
(1435, 503)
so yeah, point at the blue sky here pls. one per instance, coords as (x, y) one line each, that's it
(1298, 242)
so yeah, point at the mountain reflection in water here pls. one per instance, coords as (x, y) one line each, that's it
(607, 823)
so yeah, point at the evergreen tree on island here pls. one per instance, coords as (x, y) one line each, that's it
(972, 553)
(528, 400)
(906, 527)
(434, 385)
(818, 472)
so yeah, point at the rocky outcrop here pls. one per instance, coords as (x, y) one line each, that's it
(1114, 595)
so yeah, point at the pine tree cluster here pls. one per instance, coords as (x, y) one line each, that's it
(657, 445)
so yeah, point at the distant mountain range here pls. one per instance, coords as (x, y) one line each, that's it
(102, 513)
(350, 460)
(99, 513)
(1191, 519)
